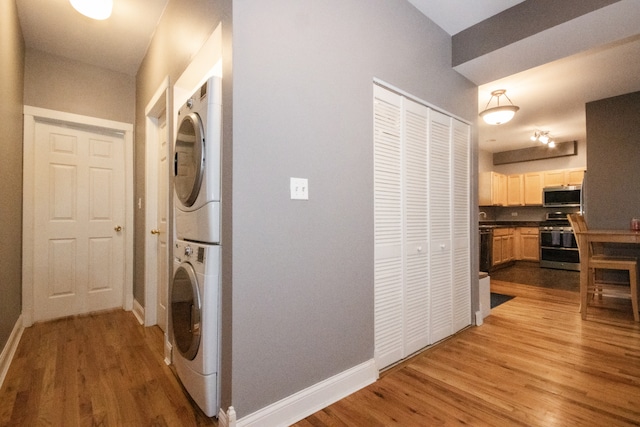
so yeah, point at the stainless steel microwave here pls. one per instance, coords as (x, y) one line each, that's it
(566, 195)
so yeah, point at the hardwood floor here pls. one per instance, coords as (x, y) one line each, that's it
(534, 362)
(98, 370)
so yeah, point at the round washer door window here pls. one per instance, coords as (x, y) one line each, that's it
(188, 162)
(186, 311)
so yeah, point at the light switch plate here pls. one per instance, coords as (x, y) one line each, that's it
(299, 188)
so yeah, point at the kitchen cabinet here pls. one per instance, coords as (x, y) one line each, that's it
(496, 189)
(559, 177)
(492, 189)
(527, 244)
(574, 176)
(515, 190)
(502, 245)
(533, 188)
(422, 252)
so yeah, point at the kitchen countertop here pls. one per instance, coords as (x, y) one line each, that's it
(497, 224)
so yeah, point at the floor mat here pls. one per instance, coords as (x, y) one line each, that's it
(497, 299)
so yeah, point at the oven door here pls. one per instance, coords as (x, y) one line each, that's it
(559, 250)
(558, 239)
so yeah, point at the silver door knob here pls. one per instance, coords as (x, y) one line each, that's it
(118, 228)
(154, 231)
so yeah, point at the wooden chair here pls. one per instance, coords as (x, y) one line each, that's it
(598, 261)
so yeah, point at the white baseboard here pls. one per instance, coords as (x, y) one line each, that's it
(227, 419)
(10, 349)
(138, 311)
(168, 349)
(304, 403)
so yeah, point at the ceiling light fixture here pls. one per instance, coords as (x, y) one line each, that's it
(501, 113)
(94, 9)
(544, 137)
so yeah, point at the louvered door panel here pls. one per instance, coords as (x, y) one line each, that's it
(416, 261)
(461, 226)
(421, 218)
(388, 276)
(440, 228)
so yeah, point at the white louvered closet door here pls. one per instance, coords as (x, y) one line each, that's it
(421, 220)
(461, 219)
(440, 214)
(388, 276)
(416, 227)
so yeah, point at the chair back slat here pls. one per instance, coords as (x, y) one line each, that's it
(578, 224)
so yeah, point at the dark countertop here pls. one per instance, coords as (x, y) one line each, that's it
(497, 224)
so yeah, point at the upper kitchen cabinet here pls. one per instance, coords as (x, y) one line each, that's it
(515, 190)
(495, 189)
(563, 177)
(492, 189)
(525, 189)
(533, 183)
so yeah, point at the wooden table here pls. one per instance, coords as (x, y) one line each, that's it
(585, 238)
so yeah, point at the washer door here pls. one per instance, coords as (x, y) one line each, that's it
(188, 162)
(186, 311)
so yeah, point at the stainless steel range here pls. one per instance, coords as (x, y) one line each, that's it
(558, 246)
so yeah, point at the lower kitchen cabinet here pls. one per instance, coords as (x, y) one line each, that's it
(503, 245)
(528, 244)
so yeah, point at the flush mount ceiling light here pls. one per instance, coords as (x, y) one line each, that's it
(544, 137)
(501, 113)
(94, 9)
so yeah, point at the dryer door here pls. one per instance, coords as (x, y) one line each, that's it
(188, 161)
(186, 311)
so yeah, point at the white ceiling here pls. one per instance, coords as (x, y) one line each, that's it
(454, 16)
(118, 43)
(599, 57)
(551, 75)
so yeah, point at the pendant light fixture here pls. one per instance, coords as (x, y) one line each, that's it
(94, 9)
(501, 113)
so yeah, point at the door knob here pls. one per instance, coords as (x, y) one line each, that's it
(154, 231)
(118, 228)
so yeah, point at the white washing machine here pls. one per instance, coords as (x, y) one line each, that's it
(197, 165)
(195, 321)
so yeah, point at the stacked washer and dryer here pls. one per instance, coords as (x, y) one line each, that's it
(195, 288)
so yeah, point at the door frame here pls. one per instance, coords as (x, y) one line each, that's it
(160, 101)
(32, 115)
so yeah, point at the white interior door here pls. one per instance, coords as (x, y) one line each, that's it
(79, 214)
(162, 224)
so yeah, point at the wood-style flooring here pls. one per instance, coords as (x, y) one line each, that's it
(102, 369)
(533, 362)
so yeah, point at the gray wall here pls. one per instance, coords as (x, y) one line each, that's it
(166, 56)
(566, 162)
(516, 23)
(63, 84)
(12, 52)
(613, 153)
(302, 93)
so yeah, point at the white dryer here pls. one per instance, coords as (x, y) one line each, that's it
(196, 165)
(195, 321)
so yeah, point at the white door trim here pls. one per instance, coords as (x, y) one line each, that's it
(161, 101)
(31, 116)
